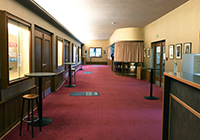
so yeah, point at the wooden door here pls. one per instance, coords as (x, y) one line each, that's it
(43, 58)
(66, 55)
(159, 61)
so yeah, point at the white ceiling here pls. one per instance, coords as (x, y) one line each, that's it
(91, 19)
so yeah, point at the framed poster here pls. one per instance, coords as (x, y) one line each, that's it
(178, 51)
(104, 52)
(187, 48)
(145, 52)
(148, 52)
(85, 52)
(171, 51)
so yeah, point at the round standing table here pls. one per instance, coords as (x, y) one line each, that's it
(44, 120)
(151, 80)
(70, 75)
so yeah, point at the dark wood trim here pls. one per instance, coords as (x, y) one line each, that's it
(34, 86)
(40, 29)
(18, 19)
(4, 16)
(4, 48)
(154, 45)
(158, 41)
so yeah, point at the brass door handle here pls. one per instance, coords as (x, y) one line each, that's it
(43, 65)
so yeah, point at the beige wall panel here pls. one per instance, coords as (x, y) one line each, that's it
(127, 34)
(96, 43)
(179, 26)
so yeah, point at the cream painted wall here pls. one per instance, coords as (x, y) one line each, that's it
(96, 43)
(18, 10)
(179, 26)
(127, 34)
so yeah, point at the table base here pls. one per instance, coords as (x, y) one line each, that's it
(44, 121)
(151, 97)
(70, 85)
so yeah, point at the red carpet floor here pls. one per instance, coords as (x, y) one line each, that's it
(119, 113)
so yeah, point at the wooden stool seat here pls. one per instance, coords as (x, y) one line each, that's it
(73, 70)
(30, 96)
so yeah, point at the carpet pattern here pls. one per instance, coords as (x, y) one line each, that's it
(120, 113)
(84, 94)
(87, 72)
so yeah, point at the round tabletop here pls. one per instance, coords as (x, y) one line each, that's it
(40, 74)
(70, 63)
(150, 68)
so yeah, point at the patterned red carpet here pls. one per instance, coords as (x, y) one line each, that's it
(120, 112)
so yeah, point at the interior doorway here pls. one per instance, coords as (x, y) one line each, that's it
(159, 61)
(43, 57)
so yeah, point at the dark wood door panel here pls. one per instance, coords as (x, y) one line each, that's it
(38, 54)
(43, 56)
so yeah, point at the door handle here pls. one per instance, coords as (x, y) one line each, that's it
(43, 65)
(66, 60)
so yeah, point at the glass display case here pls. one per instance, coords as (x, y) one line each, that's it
(15, 49)
(126, 68)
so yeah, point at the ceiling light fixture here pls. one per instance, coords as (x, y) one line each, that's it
(113, 23)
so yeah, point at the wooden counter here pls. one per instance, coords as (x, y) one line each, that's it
(181, 106)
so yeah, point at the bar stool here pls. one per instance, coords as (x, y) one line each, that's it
(30, 97)
(73, 70)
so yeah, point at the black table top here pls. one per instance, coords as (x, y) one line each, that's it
(192, 77)
(40, 74)
(150, 68)
(70, 63)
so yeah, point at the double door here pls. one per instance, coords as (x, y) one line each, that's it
(159, 61)
(43, 58)
(66, 53)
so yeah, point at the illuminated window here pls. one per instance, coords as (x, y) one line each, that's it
(74, 53)
(79, 51)
(60, 48)
(95, 52)
(18, 52)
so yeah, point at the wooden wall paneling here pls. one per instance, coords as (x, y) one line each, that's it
(56, 81)
(59, 79)
(9, 112)
(47, 60)
(4, 49)
(2, 118)
(18, 106)
(38, 53)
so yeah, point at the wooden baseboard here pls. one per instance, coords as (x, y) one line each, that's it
(96, 63)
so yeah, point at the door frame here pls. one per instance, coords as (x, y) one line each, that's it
(160, 43)
(45, 33)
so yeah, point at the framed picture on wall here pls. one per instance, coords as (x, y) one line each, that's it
(187, 48)
(85, 52)
(104, 52)
(145, 52)
(148, 52)
(178, 51)
(171, 51)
